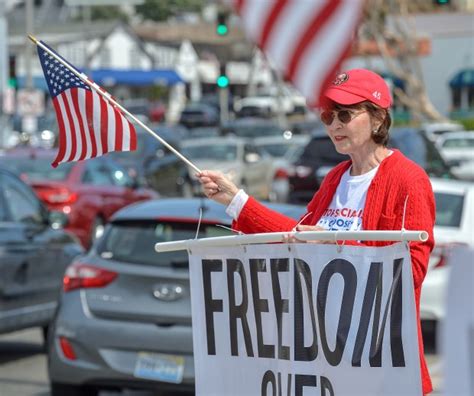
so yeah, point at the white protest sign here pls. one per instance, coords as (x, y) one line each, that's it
(309, 320)
(458, 329)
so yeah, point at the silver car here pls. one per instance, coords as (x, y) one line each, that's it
(244, 163)
(124, 319)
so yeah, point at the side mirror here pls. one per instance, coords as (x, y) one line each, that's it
(57, 220)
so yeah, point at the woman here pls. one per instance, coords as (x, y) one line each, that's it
(377, 189)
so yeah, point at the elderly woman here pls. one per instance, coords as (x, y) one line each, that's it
(377, 189)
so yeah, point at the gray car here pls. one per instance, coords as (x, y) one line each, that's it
(124, 320)
(34, 253)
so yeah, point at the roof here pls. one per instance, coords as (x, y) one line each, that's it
(464, 78)
(188, 209)
(164, 77)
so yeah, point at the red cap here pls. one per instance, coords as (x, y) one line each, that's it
(357, 85)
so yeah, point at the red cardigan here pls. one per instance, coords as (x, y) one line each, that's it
(397, 178)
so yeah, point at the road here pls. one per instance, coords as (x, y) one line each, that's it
(23, 366)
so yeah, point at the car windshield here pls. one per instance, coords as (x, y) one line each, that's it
(220, 152)
(419, 149)
(322, 150)
(134, 241)
(278, 150)
(449, 209)
(251, 131)
(37, 169)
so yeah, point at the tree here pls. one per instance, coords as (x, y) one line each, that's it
(398, 47)
(161, 10)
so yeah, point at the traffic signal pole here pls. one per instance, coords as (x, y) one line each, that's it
(224, 104)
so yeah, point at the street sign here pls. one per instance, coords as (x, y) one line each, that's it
(30, 102)
(102, 2)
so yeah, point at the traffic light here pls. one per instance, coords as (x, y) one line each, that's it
(441, 2)
(12, 81)
(222, 80)
(221, 23)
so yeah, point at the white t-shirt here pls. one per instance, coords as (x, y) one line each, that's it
(347, 206)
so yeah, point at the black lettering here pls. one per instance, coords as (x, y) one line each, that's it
(326, 386)
(260, 305)
(349, 274)
(210, 305)
(235, 266)
(281, 304)
(396, 341)
(268, 378)
(372, 295)
(301, 381)
(303, 353)
(373, 301)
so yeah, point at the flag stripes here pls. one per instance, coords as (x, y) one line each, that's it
(306, 40)
(89, 125)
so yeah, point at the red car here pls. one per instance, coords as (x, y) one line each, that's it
(88, 192)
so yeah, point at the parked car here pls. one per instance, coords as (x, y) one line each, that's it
(454, 227)
(457, 148)
(320, 156)
(155, 165)
(250, 128)
(88, 192)
(125, 314)
(34, 253)
(283, 150)
(433, 130)
(245, 164)
(198, 115)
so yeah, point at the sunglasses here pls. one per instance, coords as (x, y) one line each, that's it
(345, 116)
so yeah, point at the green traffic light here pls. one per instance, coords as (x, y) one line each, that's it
(222, 81)
(222, 30)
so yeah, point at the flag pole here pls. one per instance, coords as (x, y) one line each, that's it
(110, 99)
(275, 237)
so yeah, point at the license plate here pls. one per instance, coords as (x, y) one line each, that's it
(159, 367)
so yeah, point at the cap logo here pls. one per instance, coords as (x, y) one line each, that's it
(341, 78)
(376, 95)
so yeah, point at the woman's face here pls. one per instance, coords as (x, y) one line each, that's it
(354, 136)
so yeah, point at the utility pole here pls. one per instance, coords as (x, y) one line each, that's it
(28, 47)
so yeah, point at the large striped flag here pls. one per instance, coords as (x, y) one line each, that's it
(89, 126)
(306, 40)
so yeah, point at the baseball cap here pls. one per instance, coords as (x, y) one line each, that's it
(357, 85)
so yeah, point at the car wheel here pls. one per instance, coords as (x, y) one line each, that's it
(97, 229)
(58, 389)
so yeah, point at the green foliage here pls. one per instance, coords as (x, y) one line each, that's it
(161, 10)
(107, 12)
(468, 123)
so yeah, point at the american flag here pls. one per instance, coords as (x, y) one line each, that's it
(89, 126)
(306, 40)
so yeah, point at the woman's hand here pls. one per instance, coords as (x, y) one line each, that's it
(300, 227)
(217, 186)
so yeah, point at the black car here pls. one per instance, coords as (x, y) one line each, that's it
(199, 115)
(155, 165)
(34, 253)
(320, 156)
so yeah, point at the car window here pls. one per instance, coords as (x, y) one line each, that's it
(134, 241)
(21, 203)
(449, 209)
(37, 169)
(97, 174)
(322, 150)
(421, 150)
(459, 143)
(223, 152)
(119, 175)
